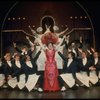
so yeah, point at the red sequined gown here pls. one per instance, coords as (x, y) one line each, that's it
(51, 72)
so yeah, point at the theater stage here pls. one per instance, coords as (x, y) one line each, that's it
(80, 93)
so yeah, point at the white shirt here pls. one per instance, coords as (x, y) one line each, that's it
(69, 62)
(84, 61)
(24, 53)
(9, 63)
(28, 63)
(18, 64)
(95, 61)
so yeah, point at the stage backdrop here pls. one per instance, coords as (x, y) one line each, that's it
(37, 14)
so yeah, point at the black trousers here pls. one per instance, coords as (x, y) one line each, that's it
(61, 81)
(17, 78)
(41, 81)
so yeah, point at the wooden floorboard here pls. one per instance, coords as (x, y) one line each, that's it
(80, 93)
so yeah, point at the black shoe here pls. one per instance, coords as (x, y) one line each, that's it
(86, 87)
(97, 84)
(74, 87)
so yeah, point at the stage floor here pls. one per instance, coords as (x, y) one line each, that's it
(91, 93)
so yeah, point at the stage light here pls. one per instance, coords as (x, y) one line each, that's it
(71, 17)
(33, 26)
(81, 17)
(19, 18)
(9, 18)
(13, 18)
(24, 18)
(75, 17)
(85, 17)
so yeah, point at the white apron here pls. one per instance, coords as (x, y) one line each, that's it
(93, 77)
(83, 77)
(12, 82)
(21, 83)
(68, 78)
(2, 77)
(31, 82)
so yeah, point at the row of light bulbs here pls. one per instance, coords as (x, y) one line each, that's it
(71, 17)
(19, 18)
(76, 17)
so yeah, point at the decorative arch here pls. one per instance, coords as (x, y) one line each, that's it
(48, 20)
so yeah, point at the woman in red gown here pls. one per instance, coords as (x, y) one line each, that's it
(51, 72)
